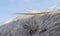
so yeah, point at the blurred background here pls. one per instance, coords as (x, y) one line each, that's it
(9, 7)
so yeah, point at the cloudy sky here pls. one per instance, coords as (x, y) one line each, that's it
(9, 7)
